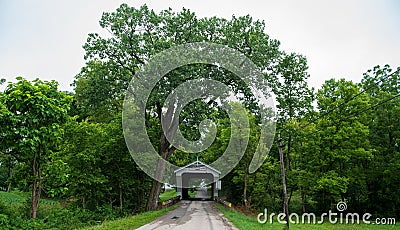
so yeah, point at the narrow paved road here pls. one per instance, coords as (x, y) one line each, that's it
(197, 215)
(202, 193)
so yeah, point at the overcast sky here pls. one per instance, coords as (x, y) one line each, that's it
(339, 38)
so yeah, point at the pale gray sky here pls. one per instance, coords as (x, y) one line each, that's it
(341, 38)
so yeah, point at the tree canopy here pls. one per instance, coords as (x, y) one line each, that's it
(32, 115)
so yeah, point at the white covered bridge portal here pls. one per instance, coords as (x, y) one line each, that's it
(200, 171)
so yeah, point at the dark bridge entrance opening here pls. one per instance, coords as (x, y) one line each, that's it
(200, 178)
(199, 184)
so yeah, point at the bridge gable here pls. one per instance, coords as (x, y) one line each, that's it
(197, 167)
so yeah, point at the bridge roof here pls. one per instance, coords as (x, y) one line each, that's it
(197, 163)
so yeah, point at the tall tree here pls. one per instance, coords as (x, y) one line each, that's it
(31, 118)
(137, 34)
(244, 140)
(293, 95)
(383, 184)
(344, 145)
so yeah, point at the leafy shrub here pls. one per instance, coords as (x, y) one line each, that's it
(15, 214)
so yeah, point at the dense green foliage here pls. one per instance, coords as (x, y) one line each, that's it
(341, 141)
(52, 214)
(345, 149)
(31, 117)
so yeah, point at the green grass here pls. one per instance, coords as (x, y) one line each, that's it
(168, 194)
(16, 198)
(192, 194)
(245, 222)
(133, 222)
(13, 198)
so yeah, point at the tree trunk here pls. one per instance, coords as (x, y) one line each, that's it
(34, 206)
(245, 190)
(288, 153)
(36, 183)
(152, 202)
(303, 206)
(285, 197)
(10, 173)
(164, 150)
(83, 203)
(245, 170)
(140, 191)
(120, 197)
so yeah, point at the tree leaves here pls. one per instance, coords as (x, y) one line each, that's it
(31, 116)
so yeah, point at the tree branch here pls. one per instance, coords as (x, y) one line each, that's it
(18, 157)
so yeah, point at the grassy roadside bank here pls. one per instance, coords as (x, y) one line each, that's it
(52, 215)
(132, 222)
